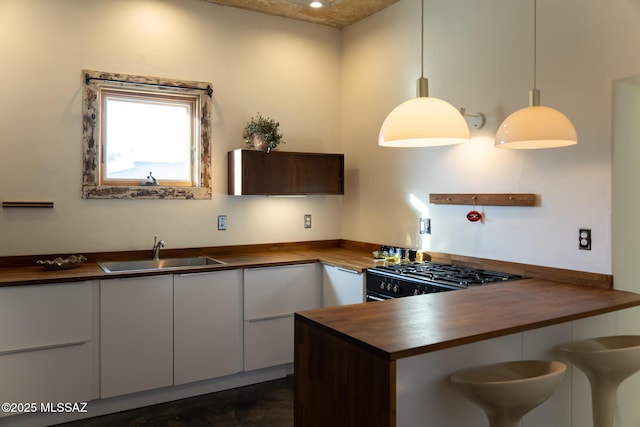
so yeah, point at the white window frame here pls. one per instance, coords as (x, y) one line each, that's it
(97, 83)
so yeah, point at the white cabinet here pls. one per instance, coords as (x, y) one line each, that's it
(342, 286)
(46, 347)
(271, 296)
(136, 334)
(159, 331)
(207, 325)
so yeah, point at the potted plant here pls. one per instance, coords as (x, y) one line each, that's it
(261, 133)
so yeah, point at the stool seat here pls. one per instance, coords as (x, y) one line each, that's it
(606, 361)
(507, 391)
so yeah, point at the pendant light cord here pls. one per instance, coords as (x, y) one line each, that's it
(422, 40)
(534, 94)
(535, 37)
(422, 84)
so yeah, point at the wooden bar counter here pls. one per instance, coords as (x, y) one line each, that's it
(346, 357)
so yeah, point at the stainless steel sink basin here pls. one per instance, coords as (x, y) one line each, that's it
(161, 264)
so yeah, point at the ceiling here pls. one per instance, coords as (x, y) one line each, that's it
(335, 13)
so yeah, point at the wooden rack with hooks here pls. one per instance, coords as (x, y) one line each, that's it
(497, 199)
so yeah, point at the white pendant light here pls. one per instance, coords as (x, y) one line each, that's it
(423, 121)
(536, 126)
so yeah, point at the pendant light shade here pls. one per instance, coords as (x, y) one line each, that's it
(536, 126)
(423, 121)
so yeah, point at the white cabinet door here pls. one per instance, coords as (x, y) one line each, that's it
(271, 296)
(136, 334)
(46, 343)
(341, 286)
(207, 325)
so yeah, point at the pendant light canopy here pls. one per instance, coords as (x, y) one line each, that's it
(536, 126)
(423, 121)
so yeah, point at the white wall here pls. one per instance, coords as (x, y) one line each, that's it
(479, 56)
(330, 90)
(284, 69)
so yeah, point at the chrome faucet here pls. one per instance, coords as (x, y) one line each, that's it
(157, 244)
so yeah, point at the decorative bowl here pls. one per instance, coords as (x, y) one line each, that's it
(62, 264)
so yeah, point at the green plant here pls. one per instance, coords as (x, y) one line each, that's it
(265, 128)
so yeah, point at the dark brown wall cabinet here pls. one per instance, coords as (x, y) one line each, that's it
(254, 172)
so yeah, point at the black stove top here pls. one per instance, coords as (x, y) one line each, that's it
(414, 278)
(448, 274)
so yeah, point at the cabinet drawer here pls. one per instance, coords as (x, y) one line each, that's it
(342, 286)
(276, 291)
(268, 342)
(62, 374)
(33, 317)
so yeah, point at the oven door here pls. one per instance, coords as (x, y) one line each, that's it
(375, 296)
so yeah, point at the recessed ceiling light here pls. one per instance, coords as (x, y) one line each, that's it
(316, 4)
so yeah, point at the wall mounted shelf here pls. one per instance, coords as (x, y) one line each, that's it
(27, 204)
(283, 173)
(497, 199)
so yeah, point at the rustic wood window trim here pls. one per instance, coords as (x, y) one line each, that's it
(92, 188)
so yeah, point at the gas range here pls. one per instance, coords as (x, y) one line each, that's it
(416, 278)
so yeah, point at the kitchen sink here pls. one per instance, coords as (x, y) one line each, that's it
(161, 264)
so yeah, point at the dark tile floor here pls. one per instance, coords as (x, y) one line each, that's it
(268, 404)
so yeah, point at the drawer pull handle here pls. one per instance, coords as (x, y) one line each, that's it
(42, 347)
(204, 273)
(347, 270)
(277, 316)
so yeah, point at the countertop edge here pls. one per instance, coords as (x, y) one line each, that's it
(339, 321)
(351, 255)
(342, 258)
(92, 271)
(514, 330)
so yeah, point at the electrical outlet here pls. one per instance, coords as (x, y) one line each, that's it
(222, 222)
(425, 225)
(584, 239)
(307, 221)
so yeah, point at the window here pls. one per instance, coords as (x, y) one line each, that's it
(145, 137)
(147, 134)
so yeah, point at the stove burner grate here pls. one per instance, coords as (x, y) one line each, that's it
(413, 276)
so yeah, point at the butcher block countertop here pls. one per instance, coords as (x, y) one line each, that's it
(406, 327)
(350, 353)
(24, 270)
(33, 274)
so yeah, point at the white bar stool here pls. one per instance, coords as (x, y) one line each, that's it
(606, 361)
(507, 391)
